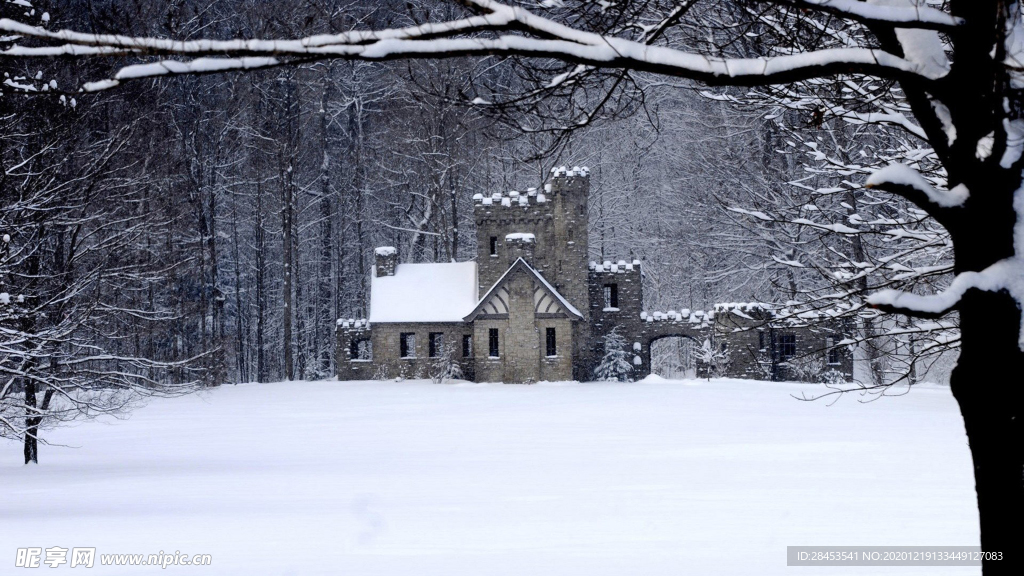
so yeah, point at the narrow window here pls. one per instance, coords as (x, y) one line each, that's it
(407, 344)
(492, 342)
(435, 344)
(361, 349)
(787, 348)
(833, 351)
(611, 295)
(761, 340)
(494, 245)
(552, 347)
(467, 345)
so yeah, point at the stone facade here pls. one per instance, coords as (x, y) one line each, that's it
(386, 361)
(543, 311)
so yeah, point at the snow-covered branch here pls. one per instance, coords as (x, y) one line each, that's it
(532, 36)
(1006, 275)
(909, 183)
(909, 16)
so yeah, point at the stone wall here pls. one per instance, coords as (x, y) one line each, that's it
(387, 363)
(385, 259)
(754, 339)
(489, 369)
(628, 280)
(560, 366)
(497, 221)
(346, 332)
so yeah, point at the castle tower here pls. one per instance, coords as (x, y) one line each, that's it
(556, 216)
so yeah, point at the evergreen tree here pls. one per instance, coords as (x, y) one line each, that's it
(615, 365)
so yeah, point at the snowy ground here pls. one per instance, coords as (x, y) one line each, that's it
(413, 478)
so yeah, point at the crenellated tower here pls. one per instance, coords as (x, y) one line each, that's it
(556, 217)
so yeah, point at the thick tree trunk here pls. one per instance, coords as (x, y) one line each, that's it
(987, 379)
(987, 384)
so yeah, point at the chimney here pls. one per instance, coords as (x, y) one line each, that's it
(386, 261)
(520, 245)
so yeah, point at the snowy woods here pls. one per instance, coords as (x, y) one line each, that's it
(849, 157)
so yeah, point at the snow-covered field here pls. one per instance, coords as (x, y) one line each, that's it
(413, 478)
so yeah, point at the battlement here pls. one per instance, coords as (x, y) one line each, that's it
(574, 172)
(569, 180)
(747, 310)
(620, 267)
(351, 324)
(510, 199)
(563, 179)
(684, 316)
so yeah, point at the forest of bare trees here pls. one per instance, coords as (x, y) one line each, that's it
(175, 234)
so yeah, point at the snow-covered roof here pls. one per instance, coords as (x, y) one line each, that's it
(424, 293)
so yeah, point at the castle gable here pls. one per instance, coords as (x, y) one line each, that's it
(547, 302)
(497, 304)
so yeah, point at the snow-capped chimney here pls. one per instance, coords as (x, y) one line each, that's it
(386, 260)
(520, 245)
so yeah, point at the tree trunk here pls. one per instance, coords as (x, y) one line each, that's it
(986, 383)
(261, 290)
(32, 422)
(31, 425)
(286, 239)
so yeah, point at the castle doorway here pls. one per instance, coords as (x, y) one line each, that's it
(675, 357)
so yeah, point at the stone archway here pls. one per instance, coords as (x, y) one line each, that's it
(675, 356)
(696, 326)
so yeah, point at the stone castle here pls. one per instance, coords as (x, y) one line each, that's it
(531, 307)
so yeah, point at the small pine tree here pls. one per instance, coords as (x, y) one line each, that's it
(445, 367)
(615, 365)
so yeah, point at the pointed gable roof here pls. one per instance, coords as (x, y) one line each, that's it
(548, 300)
